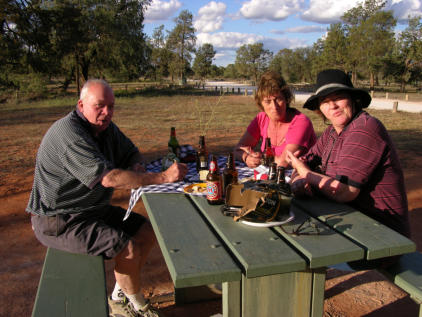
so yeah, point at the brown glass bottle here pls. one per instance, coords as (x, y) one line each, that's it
(173, 144)
(230, 173)
(280, 175)
(272, 173)
(268, 156)
(202, 155)
(214, 190)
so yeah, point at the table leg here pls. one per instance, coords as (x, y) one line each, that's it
(290, 294)
(318, 291)
(231, 299)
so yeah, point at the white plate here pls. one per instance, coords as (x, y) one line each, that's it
(269, 224)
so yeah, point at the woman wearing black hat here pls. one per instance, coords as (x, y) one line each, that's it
(354, 160)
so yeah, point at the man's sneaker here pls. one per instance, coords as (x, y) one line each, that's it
(117, 308)
(122, 299)
(148, 312)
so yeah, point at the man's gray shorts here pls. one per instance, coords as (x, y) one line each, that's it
(102, 232)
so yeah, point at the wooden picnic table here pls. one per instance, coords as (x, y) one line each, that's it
(278, 271)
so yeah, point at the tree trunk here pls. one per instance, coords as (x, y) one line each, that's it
(77, 73)
(354, 77)
(371, 80)
(402, 86)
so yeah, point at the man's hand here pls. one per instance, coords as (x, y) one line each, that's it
(138, 168)
(175, 173)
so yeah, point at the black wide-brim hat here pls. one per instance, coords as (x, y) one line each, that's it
(334, 80)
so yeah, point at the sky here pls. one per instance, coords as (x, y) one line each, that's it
(278, 24)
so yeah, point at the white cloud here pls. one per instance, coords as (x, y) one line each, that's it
(226, 43)
(301, 29)
(210, 17)
(274, 10)
(327, 11)
(405, 8)
(330, 11)
(161, 10)
(234, 40)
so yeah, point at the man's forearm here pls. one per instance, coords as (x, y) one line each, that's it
(127, 179)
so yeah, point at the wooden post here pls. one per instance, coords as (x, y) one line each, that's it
(386, 95)
(395, 106)
(407, 97)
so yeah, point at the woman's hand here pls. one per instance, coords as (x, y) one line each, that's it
(252, 159)
(301, 168)
(300, 187)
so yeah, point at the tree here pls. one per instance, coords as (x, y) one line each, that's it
(81, 36)
(405, 62)
(203, 60)
(231, 72)
(252, 60)
(294, 65)
(334, 53)
(370, 37)
(160, 54)
(181, 41)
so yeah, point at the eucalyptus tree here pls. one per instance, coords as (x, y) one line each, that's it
(405, 62)
(181, 40)
(160, 54)
(293, 64)
(230, 72)
(370, 35)
(334, 48)
(202, 63)
(252, 60)
(11, 46)
(69, 37)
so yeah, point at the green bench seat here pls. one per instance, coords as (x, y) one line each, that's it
(71, 285)
(407, 274)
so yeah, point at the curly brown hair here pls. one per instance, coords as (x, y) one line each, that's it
(270, 84)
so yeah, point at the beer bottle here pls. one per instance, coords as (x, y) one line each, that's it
(173, 144)
(268, 157)
(202, 155)
(214, 192)
(272, 174)
(280, 175)
(230, 173)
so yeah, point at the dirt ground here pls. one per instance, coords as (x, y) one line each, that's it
(364, 293)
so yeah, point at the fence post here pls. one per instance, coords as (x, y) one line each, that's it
(395, 106)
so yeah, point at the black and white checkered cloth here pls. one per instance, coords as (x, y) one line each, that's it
(191, 177)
